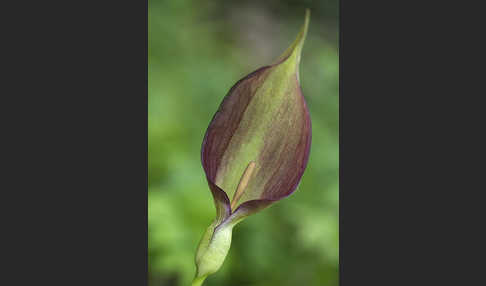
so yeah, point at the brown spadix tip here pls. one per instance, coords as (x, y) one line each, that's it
(245, 178)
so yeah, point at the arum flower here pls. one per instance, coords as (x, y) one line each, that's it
(255, 150)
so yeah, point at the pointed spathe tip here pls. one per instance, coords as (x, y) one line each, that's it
(296, 47)
(306, 21)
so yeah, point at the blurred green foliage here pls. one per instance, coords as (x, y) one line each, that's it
(197, 51)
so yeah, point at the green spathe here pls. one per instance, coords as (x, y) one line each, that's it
(255, 150)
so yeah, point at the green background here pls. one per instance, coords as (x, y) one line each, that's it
(197, 51)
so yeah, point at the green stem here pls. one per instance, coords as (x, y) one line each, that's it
(198, 281)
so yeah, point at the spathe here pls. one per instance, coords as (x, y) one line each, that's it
(255, 150)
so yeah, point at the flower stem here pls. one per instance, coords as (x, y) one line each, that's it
(198, 281)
